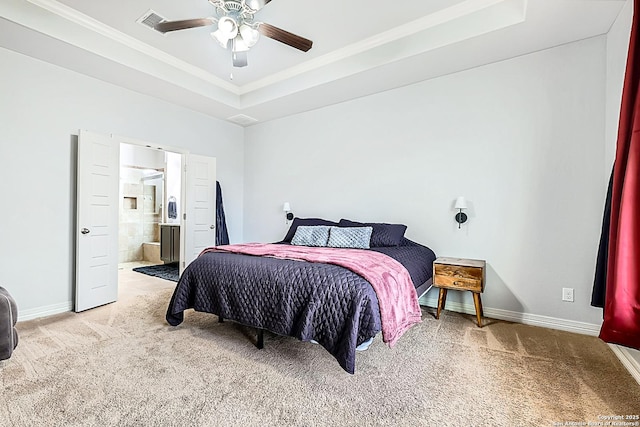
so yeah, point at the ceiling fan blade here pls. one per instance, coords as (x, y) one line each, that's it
(285, 37)
(257, 4)
(165, 27)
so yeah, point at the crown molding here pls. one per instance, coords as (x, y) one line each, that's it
(440, 17)
(98, 27)
(419, 38)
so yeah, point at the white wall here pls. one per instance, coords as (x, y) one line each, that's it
(41, 109)
(617, 48)
(522, 140)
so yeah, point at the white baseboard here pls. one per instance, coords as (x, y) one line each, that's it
(524, 318)
(44, 311)
(627, 360)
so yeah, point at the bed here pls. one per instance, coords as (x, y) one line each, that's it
(321, 289)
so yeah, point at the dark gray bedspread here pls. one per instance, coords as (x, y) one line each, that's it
(309, 301)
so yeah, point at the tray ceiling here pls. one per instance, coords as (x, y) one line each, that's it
(360, 47)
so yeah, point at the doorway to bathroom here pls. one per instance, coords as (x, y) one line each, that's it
(98, 204)
(150, 194)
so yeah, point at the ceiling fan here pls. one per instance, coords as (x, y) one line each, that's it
(237, 29)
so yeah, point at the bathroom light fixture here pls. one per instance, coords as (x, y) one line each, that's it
(461, 204)
(287, 209)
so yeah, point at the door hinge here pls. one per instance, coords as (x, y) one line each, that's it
(185, 167)
(184, 216)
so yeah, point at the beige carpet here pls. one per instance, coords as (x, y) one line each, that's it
(122, 365)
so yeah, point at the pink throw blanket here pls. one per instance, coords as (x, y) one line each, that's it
(397, 297)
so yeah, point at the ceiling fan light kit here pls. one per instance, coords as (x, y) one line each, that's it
(228, 27)
(235, 22)
(220, 38)
(249, 35)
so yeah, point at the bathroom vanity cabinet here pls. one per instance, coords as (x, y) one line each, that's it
(169, 243)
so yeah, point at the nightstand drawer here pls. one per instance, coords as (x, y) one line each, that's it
(461, 283)
(456, 273)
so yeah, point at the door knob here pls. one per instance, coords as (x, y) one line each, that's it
(212, 227)
(85, 231)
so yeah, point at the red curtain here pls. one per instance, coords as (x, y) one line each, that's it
(622, 302)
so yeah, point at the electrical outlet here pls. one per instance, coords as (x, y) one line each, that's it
(567, 294)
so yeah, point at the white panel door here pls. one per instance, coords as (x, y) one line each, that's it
(97, 221)
(199, 222)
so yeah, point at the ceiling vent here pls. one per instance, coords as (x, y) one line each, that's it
(242, 120)
(150, 19)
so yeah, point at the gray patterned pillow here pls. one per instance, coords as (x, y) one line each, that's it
(350, 237)
(317, 235)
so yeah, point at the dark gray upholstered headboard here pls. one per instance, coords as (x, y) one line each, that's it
(8, 319)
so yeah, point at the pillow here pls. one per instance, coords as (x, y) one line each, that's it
(383, 234)
(351, 237)
(307, 222)
(317, 235)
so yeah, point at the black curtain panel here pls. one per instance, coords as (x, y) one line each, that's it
(222, 235)
(600, 280)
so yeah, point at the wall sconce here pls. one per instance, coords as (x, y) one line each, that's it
(461, 204)
(287, 209)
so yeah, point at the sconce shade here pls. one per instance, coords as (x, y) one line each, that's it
(461, 203)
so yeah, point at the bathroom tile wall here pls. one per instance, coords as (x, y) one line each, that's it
(138, 221)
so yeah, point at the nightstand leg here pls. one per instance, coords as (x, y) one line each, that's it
(442, 300)
(478, 304)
